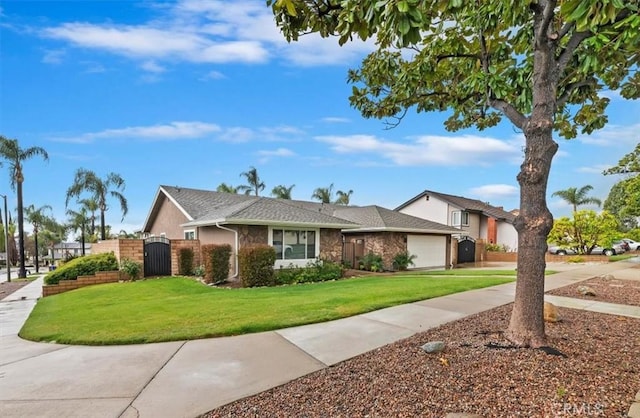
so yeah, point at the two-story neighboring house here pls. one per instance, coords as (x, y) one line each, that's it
(475, 220)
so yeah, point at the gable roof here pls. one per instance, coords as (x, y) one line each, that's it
(204, 207)
(376, 218)
(469, 205)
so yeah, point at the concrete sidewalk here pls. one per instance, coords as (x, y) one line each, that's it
(184, 379)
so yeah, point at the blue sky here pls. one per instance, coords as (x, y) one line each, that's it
(192, 93)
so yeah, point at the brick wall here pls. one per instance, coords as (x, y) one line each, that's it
(496, 256)
(100, 277)
(132, 249)
(176, 245)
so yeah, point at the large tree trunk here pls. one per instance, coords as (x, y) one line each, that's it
(103, 231)
(534, 222)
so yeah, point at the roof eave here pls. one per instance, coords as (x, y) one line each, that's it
(264, 222)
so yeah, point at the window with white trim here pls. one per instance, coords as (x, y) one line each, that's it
(460, 218)
(294, 244)
(190, 234)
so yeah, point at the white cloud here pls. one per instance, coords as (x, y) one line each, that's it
(489, 191)
(166, 132)
(152, 67)
(53, 56)
(428, 149)
(613, 135)
(207, 32)
(237, 134)
(213, 75)
(596, 169)
(334, 119)
(267, 155)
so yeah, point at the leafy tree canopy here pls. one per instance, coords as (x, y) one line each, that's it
(586, 230)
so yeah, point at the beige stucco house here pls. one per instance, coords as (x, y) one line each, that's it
(300, 231)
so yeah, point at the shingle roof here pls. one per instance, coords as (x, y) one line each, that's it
(471, 205)
(379, 218)
(204, 207)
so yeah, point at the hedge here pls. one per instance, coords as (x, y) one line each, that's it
(83, 266)
(256, 265)
(216, 262)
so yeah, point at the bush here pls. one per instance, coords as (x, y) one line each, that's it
(315, 271)
(402, 260)
(371, 262)
(256, 265)
(185, 261)
(83, 266)
(500, 248)
(131, 268)
(216, 262)
(575, 259)
(199, 271)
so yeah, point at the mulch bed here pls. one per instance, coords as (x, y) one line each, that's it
(7, 288)
(595, 371)
(612, 290)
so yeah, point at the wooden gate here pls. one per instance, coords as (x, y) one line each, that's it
(157, 257)
(466, 250)
(352, 252)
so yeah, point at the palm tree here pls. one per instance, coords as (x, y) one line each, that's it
(11, 151)
(577, 197)
(37, 218)
(100, 189)
(282, 192)
(323, 194)
(343, 197)
(52, 234)
(78, 221)
(226, 188)
(91, 205)
(254, 184)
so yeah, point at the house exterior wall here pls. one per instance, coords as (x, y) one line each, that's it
(331, 245)
(507, 235)
(433, 209)
(215, 235)
(168, 221)
(387, 245)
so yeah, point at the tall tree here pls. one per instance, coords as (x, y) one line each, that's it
(37, 218)
(617, 203)
(254, 184)
(52, 234)
(343, 198)
(628, 189)
(91, 206)
(323, 194)
(226, 188)
(282, 192)
(15, 156)
(538, 63)
(99, 189)
(577, 197)
(78, 221)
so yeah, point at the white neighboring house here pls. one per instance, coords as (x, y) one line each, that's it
(65, 250)
(474, 218)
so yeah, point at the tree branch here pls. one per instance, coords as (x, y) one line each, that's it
(507, 109)
(547, 17)
(562, 100)
(444, 57)
(575, 41)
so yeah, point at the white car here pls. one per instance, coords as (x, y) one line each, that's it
(615, 249)
(633, 245)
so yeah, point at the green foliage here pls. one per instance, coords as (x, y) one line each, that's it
(314, 271)
(371, 262)
(256, 265)
(185, 261)
(199, 271)
(618, 204)
(131, 268)
(402, 260)
(216, 262)
(498, 248)
(577, 197)
(83, 266)
(586, 230)
(576, 259)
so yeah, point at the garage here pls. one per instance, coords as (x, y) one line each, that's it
(430, 250)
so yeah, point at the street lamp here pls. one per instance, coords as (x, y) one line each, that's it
(6, 236)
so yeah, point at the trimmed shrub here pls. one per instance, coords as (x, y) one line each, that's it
(83, 266)
(256, 265)
(185, 262)
(131, 268)
(402, 260)
(216, 262)
(315, 271)
(372, 262)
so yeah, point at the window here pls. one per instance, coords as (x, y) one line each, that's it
(190, 234)
(294, 244)
(460, 218)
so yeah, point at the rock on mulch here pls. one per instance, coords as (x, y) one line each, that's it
(593, 366)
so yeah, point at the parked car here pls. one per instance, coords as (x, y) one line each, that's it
(608, 251)
(633, 245)
(623, 243)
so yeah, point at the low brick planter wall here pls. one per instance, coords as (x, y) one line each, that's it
(100, 277)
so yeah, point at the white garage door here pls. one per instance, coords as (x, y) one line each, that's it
(430, 250)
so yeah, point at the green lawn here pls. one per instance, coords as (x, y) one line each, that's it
(170, 309)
